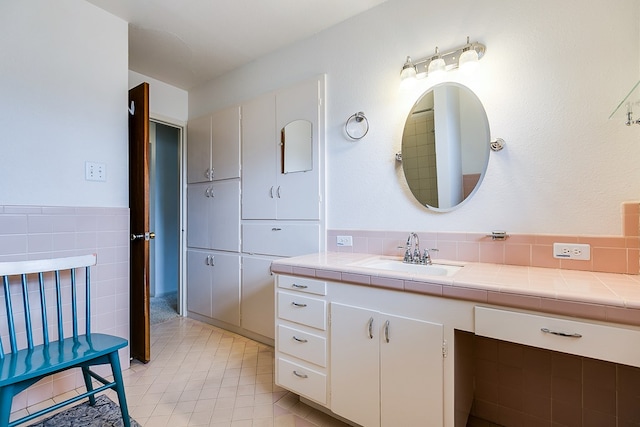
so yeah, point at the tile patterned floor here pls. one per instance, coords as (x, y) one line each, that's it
(201, 375)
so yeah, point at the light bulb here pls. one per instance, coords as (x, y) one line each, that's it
(468, 60)
(436, 66)
(408, 70)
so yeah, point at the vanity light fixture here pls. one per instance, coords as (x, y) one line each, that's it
(465, 56)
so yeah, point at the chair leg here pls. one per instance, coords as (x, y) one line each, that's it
(6, 399)
(117, 378)
(88, 383)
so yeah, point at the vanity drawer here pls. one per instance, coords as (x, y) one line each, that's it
(302, 380)
(603, 342)
(300, 284)
(302, 309)
(309, 347)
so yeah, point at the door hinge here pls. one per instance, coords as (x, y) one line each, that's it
(445, 348)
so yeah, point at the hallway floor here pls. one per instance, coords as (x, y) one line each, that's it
(200, 375)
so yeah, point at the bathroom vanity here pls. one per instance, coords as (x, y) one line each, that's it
(378, 343)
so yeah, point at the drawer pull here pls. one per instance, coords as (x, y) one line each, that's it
(561, 334)
(300, 339)
(276, 229)
(297, 304)
(371, 328)
(299, 375)
(295, 285)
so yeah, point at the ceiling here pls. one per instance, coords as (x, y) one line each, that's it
(186, 43)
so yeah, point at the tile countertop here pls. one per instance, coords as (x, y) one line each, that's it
(591, 295)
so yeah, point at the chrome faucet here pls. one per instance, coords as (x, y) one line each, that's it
(414, 257)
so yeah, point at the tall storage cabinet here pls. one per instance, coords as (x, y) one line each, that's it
(282, 212)
(213, 217)
(245, 201)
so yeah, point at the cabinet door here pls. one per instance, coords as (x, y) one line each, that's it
(198, 204)
(298, 193)
(411, 372)
(199, 282)
(225, 288)
(224, 215)
(258, 306)
(199, 149)
(225, 143)
(355, 380)
(259, 144)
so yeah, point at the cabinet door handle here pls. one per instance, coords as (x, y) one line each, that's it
(208, 259)
(278, 192)
(297, 304)
(295, 285)
(300, 339)
(386, 331)
(299, 375)
(371, 328)
(561, 334)
(271, 192)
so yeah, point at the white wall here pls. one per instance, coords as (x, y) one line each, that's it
(63, 98)
(166, 102)
(552, 74)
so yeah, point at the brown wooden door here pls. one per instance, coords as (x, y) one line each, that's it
(139, 221)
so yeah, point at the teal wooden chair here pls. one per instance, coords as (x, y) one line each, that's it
(54, 285)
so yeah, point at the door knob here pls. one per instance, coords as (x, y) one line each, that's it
(146, 236)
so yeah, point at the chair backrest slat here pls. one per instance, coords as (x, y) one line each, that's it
(27, 311)
(59, 305)
(43, 309)
(74, 304)
(88, 299)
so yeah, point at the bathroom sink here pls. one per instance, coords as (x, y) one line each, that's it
(394, 264)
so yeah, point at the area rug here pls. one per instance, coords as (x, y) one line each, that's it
(163, 308)
(105, 413)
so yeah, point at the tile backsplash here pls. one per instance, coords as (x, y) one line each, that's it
(612, 254)
(37, 232)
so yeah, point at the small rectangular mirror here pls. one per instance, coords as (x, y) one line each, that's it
(296, 141)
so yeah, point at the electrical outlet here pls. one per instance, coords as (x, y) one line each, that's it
(95, 171)
(344, 241)
(579, 251)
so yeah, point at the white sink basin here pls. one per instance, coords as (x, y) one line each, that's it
(392, 264)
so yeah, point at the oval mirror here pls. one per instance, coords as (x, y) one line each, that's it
(445, 146)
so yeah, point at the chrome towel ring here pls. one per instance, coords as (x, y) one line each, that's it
(356, 126)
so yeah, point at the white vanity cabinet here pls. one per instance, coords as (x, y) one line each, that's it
(385, 369)
(213, 212)
(268, 192)
(301, 337)
(214, 285)
(213, 146)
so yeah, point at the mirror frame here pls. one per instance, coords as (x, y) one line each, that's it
(482, 145)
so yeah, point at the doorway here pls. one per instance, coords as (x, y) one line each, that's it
(165, 218)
